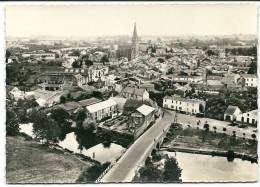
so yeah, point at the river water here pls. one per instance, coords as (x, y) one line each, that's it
(205, 168)
(98, 152)
(195, 167)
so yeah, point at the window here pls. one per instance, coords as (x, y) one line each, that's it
(180, 102)
(172, 106)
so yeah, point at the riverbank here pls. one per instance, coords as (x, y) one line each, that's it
(198, 139)
(31, 162)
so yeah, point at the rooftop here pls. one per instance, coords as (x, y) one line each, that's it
(177, 98)
(145, 109)
(134, 90)
(231, 109)
(101, 105)
(88, 102)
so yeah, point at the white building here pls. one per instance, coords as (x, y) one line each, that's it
(103, 109)
(231, 113)
(191, 106)
(135, 93)
(98, 72)
(248, 117)
(250, 80)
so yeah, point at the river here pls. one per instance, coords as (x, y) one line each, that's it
(205, 168)
(195, 167)
(98, 151)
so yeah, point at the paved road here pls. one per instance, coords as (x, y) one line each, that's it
(191, 120)
(124, 169)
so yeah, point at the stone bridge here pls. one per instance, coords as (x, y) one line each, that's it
(126, 167)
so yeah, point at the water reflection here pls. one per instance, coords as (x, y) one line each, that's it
(90, 148)
(205, 168)
(85, 143)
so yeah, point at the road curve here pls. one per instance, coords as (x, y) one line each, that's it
(124, 169)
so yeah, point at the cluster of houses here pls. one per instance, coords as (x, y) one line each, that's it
(233, 113)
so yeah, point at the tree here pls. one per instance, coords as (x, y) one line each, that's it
(7, 55)
(104, 59)
(254, 137)
(149, 173)
(62, 99)
(12, 123)
(88, 62)
(224, 130)
(253, 68)
(44, 127)
(215, 129)
(172, 171)
(206, 126)
(92, 173)
(89, 125)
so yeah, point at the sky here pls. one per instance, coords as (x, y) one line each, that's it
(106, 20)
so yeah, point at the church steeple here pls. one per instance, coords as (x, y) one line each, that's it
(135, 37)
(135, 43)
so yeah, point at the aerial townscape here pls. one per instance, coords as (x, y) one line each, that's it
(131, 109)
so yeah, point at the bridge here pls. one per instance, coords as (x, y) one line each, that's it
(126, 167)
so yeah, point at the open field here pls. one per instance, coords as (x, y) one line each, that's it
(30, 162)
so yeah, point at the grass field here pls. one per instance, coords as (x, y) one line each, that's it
(30, 162)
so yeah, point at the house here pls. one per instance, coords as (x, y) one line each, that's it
(70, 107)
(141, 119)
(190, 106)
(231, 113)
(103, 109)
(135, 93)
(248, 117)
(120, 102)
(230, 79)
(249, 80)
(56, 80)
(97, 72)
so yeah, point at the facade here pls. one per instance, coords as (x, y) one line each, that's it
(135, 44)
(97, 72)
(231, 113)
(141, 119)
(135, 93)
(248, 117)
(56, 80)
(190, 106)
(103, 109)
(249, 80)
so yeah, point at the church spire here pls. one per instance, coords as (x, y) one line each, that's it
(135, 45)
(135, 32)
